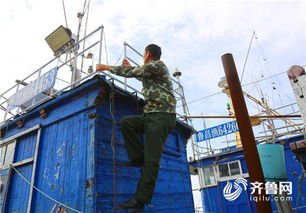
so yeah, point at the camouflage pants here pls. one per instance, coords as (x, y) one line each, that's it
(155, 127)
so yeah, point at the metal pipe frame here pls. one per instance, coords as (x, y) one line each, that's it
(74, 83)
(58, 92)
(294, 132)
(282, 107)
(125, 53)
(56, 57)
(90, 34)
(132, 60)
(251, 116)
(38, 70)
(280, 128)
(126, 44)
(101, 41)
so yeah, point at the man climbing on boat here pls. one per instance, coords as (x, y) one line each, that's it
(158, 119)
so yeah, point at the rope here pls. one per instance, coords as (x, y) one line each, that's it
(113, 141)
(120, 57)
(28, 182)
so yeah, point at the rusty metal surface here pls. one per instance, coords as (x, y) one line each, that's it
(298, 145)
(246, 132)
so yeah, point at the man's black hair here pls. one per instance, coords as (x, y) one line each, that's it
(154, 50)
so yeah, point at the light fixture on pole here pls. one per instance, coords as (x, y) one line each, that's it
(60, 40)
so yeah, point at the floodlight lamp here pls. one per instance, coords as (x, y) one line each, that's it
(60, 40)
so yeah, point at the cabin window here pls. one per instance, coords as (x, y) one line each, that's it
(7, 153)
(234, 168)
(2, 155)
(3, 184)
(229, 169)
(223, 170)
(207, 176)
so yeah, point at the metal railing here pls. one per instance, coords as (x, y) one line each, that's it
(70, 65)
(176, 83)
(177, 87)
(263, 133)
(65, 77)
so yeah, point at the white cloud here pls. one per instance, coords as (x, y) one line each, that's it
(193, 35)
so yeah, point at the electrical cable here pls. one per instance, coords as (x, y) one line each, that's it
(243, 85)
(120, 57)
(268, 67)
(263, 79)
(205, 97)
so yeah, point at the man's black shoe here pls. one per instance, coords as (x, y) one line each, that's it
(132, 204)
(131, 164)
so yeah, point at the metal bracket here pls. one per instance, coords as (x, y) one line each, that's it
(20, 123)
(43, 113)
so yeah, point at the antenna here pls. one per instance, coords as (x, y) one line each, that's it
(64, 9)
(247, 56)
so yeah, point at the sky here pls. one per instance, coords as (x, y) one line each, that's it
(193, 35)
